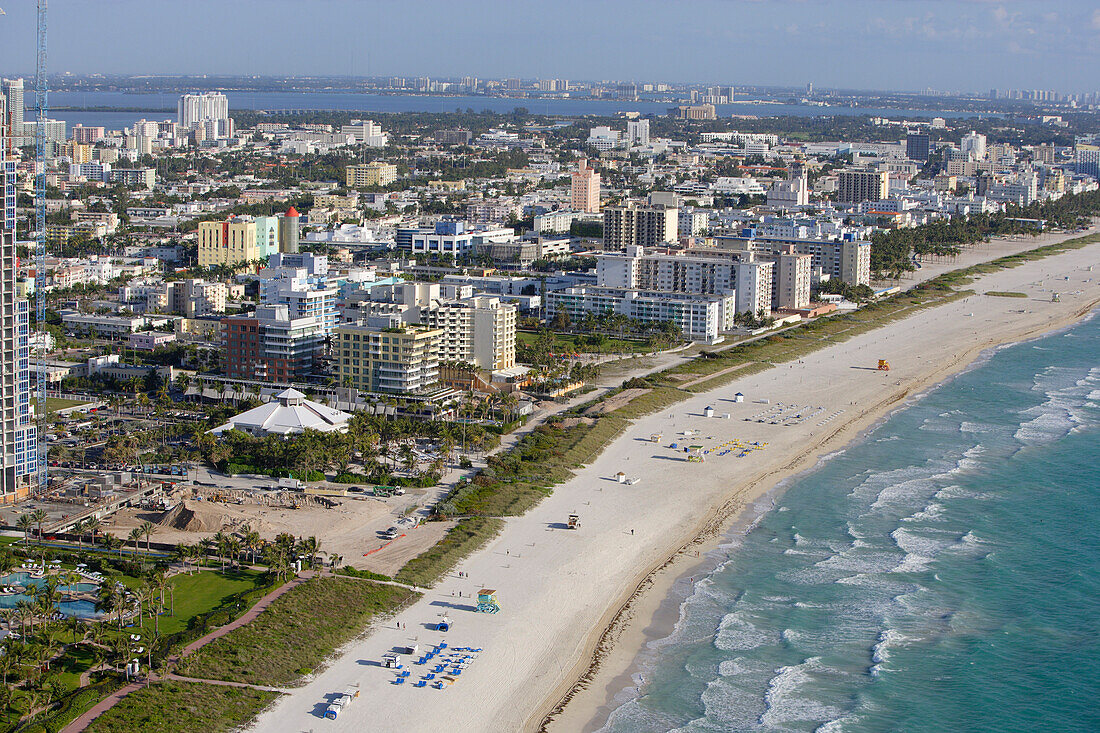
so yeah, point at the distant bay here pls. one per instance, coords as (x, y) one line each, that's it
(109, 109)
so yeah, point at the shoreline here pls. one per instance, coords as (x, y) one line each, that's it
(569, 597)
(652, 610)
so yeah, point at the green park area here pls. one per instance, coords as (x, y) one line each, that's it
(53, 404)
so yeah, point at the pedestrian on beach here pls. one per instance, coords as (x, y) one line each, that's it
(632, 533)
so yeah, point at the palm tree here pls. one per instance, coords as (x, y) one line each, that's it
(218, 543)
(92, 525)
(25, 523)
(309, 547)
(110, 601)
(111, 543)
(26, 615)
(252, 543)
(233, 548)
(148, 529)
(39, 516)
(135, 537)
(78, 530)
(334, 561)
(142, 598)
(75, 626)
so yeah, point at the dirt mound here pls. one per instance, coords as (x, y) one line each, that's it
(197, 516)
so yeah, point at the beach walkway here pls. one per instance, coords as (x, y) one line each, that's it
(247, 617)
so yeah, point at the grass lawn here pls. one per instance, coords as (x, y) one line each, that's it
(1006, 294)
(201, 592)
(297, 632)
(53, 404)
(182, 707)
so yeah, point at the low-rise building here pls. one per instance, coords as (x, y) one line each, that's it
(104, 326)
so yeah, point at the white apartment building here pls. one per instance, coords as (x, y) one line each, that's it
(973, 146)
(603, 138)
(742, 276)
(693, 221)
(847, 258)
(789, 194)
(453, 238)
(367, 132)
(700, 317)
(637, 132)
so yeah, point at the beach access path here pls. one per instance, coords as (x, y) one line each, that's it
(114, 698)
(560, 588)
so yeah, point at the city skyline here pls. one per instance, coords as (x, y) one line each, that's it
(897, 45)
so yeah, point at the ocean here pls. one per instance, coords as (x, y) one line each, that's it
(941, 574)
(364, 102)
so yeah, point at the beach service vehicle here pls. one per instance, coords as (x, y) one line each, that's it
(883, 365)
(574, 521)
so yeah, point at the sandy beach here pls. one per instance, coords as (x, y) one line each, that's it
(563, 592)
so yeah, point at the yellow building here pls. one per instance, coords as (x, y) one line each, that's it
(371, 174)
(397, 360)
(447, 185)
(78, 152)
(229, 242)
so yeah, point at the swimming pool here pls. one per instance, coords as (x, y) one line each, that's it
(77, 608)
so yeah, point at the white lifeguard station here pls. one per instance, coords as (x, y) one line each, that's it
(708, 411)
(739, 397)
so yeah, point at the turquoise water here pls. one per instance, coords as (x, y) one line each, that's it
(78, 608)
(943, 574)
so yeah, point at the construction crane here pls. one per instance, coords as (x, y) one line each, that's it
(40, 107)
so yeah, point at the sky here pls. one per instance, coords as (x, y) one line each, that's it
(948, 45)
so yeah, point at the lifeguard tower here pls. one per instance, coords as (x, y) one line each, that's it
(487, 601)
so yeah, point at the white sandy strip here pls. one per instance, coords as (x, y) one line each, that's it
(557, 586)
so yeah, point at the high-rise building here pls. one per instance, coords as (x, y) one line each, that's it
(18, 432)
(271, 346)
(585, 188)
(88, 135)
(639, 226)
(13, 111)
(367, 132)
(916, 146)
(854, 186)
(208, 112)
(973, 146)
(637, 132)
